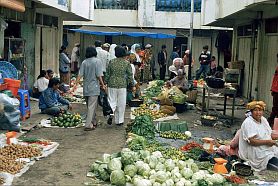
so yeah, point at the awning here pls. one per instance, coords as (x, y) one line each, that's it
(126, 32)
(17, 5)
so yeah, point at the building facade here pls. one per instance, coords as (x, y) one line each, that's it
(160, 16)
(255, 40)
(32, 32)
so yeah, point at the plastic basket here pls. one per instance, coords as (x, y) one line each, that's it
(13, 85)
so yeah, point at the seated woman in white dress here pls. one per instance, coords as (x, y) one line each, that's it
(256, 144)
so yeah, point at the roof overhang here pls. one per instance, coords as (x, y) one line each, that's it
(264, 10)
(132, 32)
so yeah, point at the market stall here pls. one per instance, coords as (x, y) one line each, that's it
(18, 154)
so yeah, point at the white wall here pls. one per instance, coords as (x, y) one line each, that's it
(84, 9)
(216, 9)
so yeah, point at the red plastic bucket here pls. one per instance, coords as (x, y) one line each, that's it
(13, 85)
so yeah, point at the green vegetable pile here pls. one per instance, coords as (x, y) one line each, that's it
(66, 120)
(143, 126)
(154, 88)
(195, 153)
(174, 135)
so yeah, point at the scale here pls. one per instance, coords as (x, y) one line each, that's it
(208, 144)
(219, 166)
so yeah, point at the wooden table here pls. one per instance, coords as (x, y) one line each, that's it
(226, 91)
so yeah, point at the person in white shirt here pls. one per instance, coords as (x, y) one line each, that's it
(75, 58)
(40, 84)
(257, 145)
(102, 55)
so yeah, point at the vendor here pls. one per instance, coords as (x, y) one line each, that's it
(256, 145)
(177, 64)
(180, 81)
(40, 84)
(51, 102)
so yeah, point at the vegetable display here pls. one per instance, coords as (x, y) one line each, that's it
(145, 109)
(15, 151)
(174, 135)
(236, 179)
(143, 126)
(143, 168)
(35, 140)
(66, 120)
(10, 165)
(195, 153)
(154, 88)
(190, 146)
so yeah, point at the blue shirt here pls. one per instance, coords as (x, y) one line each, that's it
(51, 98)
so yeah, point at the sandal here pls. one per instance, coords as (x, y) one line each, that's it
(89, 129)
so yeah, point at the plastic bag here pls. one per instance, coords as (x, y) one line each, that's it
(103, 101)
(9, 115)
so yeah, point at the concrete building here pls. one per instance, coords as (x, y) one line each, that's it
(159, 16)
(255, 40)
(32, 32)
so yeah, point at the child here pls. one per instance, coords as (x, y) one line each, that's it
(213, 66)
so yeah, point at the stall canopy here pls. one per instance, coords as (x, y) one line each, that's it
(108, 31)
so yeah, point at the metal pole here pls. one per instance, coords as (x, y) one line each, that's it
(190, 39)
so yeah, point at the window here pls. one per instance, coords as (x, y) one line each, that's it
(271, 26)
(245, 30)
(46, 20)
(178, 5)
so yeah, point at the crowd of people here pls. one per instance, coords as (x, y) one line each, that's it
(115, 72)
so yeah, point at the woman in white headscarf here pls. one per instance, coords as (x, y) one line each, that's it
(177, 64)
(136, 60)
(112, 51)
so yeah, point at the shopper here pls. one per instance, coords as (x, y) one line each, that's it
(204, 59)
(64, 66)
(136, 60)
(102, 55)
(75, 58)
(40, 84)
(118, 77)
(50, 101)
(92, 72)
(162, 61)
(147, 63)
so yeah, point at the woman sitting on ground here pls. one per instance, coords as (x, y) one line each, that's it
(256, 144)
(180, 81)
(40, 84)
(51, 102)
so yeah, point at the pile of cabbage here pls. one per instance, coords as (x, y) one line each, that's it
(143, 168)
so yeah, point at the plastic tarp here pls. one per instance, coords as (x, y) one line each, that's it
(131, 34)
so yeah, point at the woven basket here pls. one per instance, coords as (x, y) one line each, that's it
(192, 96)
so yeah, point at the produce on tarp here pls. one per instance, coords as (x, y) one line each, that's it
(10, 165)
(143, 126)
(190, 146)
(15, 151)
(146, 109)
(154, 89)
(66, 120)
(175, 135)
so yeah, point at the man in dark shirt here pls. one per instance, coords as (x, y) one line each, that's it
(204, 59)
(162, 61)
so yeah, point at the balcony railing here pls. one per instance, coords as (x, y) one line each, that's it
(116, 4)
(178, 5)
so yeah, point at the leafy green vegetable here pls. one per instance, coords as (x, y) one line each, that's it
(130, 170)
(117, 178)
(143, 126)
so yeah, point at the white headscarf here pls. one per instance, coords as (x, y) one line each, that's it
(133, 51)
(177, 62)
(112, 51)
